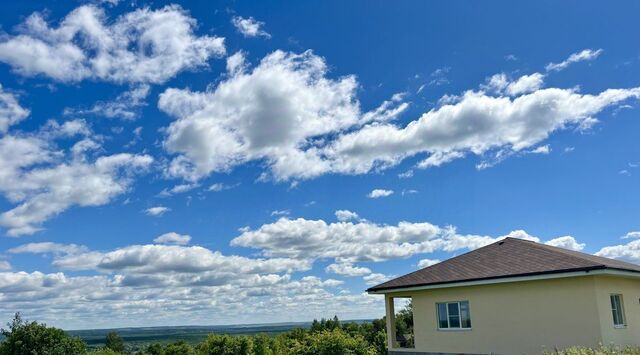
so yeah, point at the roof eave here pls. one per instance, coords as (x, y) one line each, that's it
(596, 270)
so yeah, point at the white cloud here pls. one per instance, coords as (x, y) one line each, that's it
(157, 210)
(48, 248)
(43, 182)
(349, 242)
(280, 212)
(5, 265)
(347, 269)
(477, 123)
(278, 112)
(11, 112)
(157, 258)
(631, 235)
(375, 279)
(377, 193)
(628, 252)
(501, 84)
(173, 238)
(584, 55)
(345, 215)
(566, 242)
(249, 27)
(408, 192)
(439, 77)
(142, 46)
(406, 175)
(217, 187)
(525, 84)
(126, 106)
(543, 149)
(427, 262)
(178, 189)
(236, 63)
(287, 114)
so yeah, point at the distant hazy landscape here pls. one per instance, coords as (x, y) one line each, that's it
(139, 338)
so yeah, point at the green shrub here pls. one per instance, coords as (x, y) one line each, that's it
(28, 338)
(602, 350)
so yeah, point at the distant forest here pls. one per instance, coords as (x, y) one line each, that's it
(324, 337)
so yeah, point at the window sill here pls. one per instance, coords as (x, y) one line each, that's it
(455, 329)
(620, 326)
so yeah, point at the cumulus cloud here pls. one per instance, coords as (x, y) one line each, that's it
(347, 269)
(217, 187)
(477, 124)
(249, 27)
(543, 149)
(277, 112)
(286, 113)
(48, 248)
(349, 242)
(500, 83)
(173, 238)
(375, 279)
(345, 215)
(631, 235)
(177, 189)
(43, 181)
(377, 193)
(157, 211)
(427, 262)
(584, 55)
(566, 242)
(628, 252)
(126, 106)
(142, 46)
(61, 299)
(11, 112)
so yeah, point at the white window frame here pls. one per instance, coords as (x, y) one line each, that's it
(449, 328)
(621, 311)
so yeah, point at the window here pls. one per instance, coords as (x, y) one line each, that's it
(454, 315)
(617, 310)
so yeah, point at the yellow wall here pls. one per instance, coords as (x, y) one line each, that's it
(528, 317)
(630, 291)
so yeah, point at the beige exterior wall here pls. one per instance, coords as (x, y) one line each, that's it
(630, 291)
(526, 317)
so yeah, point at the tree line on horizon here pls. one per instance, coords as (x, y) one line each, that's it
(324, 337)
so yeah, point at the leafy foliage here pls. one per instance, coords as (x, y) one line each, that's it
(29, 338)
(114, 342)
(602, 350)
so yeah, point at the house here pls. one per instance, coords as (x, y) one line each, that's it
(516, 297)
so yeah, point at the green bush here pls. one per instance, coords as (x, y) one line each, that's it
(114, 342)
(602, 350)
(217, 344)
(104, 351)
(29, 338)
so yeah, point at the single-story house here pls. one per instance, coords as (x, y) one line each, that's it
(516, 297)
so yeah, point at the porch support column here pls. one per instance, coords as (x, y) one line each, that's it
(391, 322)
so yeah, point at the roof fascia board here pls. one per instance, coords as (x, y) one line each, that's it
(613, 272)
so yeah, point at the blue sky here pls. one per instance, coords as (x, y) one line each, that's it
(233, 162)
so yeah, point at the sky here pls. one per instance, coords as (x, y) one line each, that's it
(201, 163)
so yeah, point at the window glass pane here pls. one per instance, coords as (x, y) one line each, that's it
(454, 321)
(442, 316)
(465, 317)
(616, 320)
(453, 309)
(617, 310)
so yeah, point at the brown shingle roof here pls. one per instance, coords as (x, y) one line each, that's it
(506, 258)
